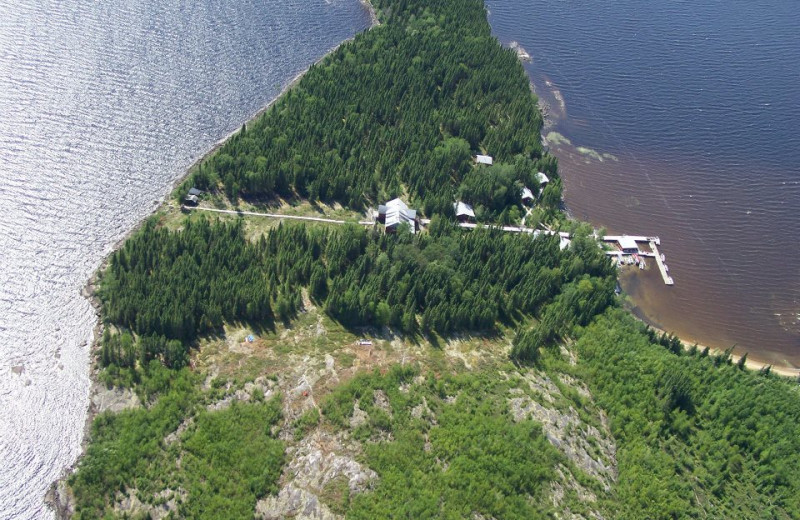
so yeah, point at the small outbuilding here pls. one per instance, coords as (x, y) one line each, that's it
(192, 197)
(484, 159)
(628, 245)
(542, 178)
(464, 212)
(527, 195)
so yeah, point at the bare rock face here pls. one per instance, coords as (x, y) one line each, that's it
(318, 461)
(60, 499)
(422, 411)
(592, 449)
(359, 416)
(314, 466)
(293, 502)
(382, 401)
(265, 386)
(114, 399)
(128, 504)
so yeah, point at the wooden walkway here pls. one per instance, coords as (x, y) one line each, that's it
(661, 265)
(564, 237)
(510, 229)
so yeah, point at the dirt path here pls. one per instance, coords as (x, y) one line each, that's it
(274, 215)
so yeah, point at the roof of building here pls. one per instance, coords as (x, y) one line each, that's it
(526, 193)
(484, 159)
(396, 203)
(626, 242)
(462, 208)
(542, 178)
(397, 212)
(392, 204)
(399, 216)
(194, 191)
(191, 198)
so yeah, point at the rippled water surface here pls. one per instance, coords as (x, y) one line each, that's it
(102, 106)
(696, 106)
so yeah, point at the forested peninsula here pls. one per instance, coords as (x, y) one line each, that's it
(263, 367)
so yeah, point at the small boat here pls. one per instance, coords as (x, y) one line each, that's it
(642, 265)
(666, 268)
(663, 258)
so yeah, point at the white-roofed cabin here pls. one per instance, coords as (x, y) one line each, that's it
(464, 212)
(395, 213)
(542, 178)
(527, 196)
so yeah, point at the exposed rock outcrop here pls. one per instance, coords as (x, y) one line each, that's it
(317, 461)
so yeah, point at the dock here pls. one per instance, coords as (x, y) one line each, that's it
(661, 266)
(637, 238)
(652, 241)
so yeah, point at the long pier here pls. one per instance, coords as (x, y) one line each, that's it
(661, 265)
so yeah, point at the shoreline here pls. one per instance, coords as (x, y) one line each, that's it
(753, 361)
(57, 498)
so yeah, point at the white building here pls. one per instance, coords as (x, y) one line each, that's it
(463, 211)
(484, 159)
(628, 244)
(542, 178)
(527, 195)
(396, 212)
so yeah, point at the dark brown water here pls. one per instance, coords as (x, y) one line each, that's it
(681, 119)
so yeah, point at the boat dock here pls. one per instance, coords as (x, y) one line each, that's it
(661, 265)
(617, 238)
(628, 247)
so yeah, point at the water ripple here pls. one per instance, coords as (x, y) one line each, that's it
(698, 102)
(102, 106)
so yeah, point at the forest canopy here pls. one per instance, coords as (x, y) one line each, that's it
(401, 109)
(169, 287)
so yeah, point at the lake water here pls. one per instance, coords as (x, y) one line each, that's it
(102, 106)
(697, 106)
